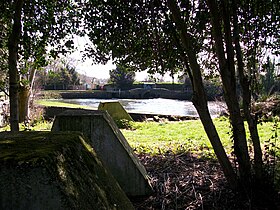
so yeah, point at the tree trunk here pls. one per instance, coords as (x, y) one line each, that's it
(199, 97)
(227, 71)
(24, 95)
(246, 93)
(200, 103)
(12, 60)
(25, 92)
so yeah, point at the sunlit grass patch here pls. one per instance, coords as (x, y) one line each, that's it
(46, 102)
(180, 137)
(42, 125)
(186, 136)
(176, 137)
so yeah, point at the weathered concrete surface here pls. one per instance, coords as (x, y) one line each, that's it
(110, 145)
(115, 109)
(55, 170)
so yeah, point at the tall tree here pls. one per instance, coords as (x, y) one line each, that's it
(3, 55)
(122, 77)
(153, 34)
(227, 70)
(34, 25)
(13, 45)
(199, 96)
(180, 48)
(58, 74)
(269, 78)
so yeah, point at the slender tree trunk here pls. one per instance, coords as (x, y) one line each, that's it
(12, 60)
(24, 94)
(200, 103)
(246, 92)
(227, 71)
(199, 96)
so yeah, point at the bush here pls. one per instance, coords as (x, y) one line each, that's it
(124, 124)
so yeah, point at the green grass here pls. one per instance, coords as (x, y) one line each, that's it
(50, 94)
(36, 126)
(44, 102)
(176, 137)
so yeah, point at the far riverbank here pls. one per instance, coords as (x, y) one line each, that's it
(156, 106)
(51, 111)
(137, 93)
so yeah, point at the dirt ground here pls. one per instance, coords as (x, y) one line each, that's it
(187, 182)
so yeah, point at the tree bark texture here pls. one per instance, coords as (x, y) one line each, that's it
(25, 92)
(24, 95)
(227, 71)
(246, 95)
(199, 96)
(12, 60)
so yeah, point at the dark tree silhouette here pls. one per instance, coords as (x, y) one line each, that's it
(122, 77)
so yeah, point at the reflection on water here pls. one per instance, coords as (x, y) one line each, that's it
(153, 106)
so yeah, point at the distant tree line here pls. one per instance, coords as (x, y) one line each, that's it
(269, 79)
(58, 75)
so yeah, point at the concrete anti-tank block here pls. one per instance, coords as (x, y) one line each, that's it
(110, 145)
(55, 170)
(115, 110)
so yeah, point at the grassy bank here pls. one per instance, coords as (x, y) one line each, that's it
(176, 137)
(45, 102)
(51, 94)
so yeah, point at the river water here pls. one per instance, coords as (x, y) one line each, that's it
(153, 106)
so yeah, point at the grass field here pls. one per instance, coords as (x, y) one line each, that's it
(177, 137)
(45, 102)
(155, 138)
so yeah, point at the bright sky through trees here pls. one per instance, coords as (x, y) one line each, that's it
(99, 71)
(85, 66)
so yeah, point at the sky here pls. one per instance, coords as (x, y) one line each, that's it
(99, 71)
(87, 68)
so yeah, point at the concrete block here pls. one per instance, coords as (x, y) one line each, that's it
(115, 109)
(55, 170)
(110, 145)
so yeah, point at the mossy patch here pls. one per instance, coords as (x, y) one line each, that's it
(57, 169)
